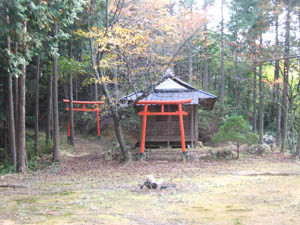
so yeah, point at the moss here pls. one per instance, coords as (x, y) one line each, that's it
(206, 196)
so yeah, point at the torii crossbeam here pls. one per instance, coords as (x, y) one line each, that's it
(145, 113)
(85, 109)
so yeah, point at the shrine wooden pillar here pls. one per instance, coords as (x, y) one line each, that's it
(85, 109)
(143, 138)
(179, 113)
(181, 127)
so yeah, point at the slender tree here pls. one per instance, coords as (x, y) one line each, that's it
(222, 55)
(297, 152)
(16, 93)
(286, 75)
(55, 102)
(205, 74)
(261, 98)
(50, 110)
(276, 78)
(21, 166)
(71, 114)
(254, 98)
(36, 113)
(11, 122)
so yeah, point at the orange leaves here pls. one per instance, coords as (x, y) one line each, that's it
(189, 22)
(147, 31)
(44, 2)
(273, 83)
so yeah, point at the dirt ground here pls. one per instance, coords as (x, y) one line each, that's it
(86, 189)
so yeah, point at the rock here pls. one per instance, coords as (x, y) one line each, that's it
(151, 179)
(179, 158)
(266, 148)
(152, 183)
(108, 156)
(244, 148)
(231, 147)
(200, 144)
(268, 139)
(259, 149)
(224, 154)
(273, 147)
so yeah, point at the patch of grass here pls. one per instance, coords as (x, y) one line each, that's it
(239, 210)
(29, 200)
(211, 192)
(237, 221)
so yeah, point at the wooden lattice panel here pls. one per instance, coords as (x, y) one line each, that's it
(166, 128)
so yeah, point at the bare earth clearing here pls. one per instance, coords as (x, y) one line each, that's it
(86, 189)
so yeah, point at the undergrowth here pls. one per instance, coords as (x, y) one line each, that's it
(34, 162)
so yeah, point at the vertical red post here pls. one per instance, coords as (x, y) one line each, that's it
(143, 138)
(181, 127)
(98, 123)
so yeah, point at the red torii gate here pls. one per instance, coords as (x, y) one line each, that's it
(84, 109)
(146, 113)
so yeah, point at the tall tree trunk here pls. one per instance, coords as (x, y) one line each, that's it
(254, 99)
(118, 131)
(11, 122)
(96, 91)
(261, 99)
(236, 78)
(277, 85)
(205, 75)
(11, 119)
(71, 113)
(95, 60)
(116, 86)
(76, 88)
(50, 111)
(16, 93)
(55, 104)
(222, 56)
(297, 152)
(21, 163)
(298, 140)
(190, 61)
(36, 114)
(286, 77)
(6, 130)
(66, 90)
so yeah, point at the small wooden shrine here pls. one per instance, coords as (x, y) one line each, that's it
(169, 114)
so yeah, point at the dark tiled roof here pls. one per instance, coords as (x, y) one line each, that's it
(172, 88)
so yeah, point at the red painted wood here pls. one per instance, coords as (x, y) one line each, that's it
(98, 124)
(162, 113)
(171, 102)
(143, 138)
(83, 102)
(179, 113)
(181, 127)
(84, 110)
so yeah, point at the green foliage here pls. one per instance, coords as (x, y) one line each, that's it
(43, 148)
(34, 162)
(6, 168)
(67, 66)
(235, 129)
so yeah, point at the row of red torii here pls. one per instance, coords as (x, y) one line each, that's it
(144, 113)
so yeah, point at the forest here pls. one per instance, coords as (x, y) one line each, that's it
(245, 52)
(57, 166)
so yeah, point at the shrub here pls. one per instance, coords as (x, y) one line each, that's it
(236, 130)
